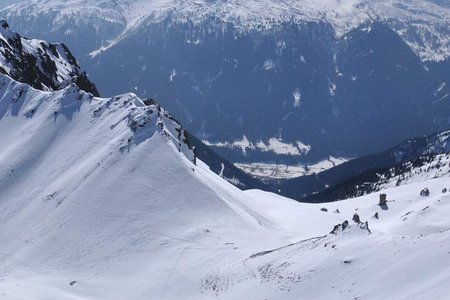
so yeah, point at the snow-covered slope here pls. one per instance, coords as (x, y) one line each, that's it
(404, 257)
(98, 203)
(98, 188)
(419, 169)
(422, 24)
(101, 199)
(40, 64)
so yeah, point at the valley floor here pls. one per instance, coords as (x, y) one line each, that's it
(279, 171)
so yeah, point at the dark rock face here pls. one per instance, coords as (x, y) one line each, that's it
(42, 65)
(345, 226)
(384, 206)
(365, 226)
(347, 261)
(339, 227)
(425, 192)
(72, 283)
(85, 84)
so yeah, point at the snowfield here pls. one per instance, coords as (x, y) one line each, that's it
(100, 201)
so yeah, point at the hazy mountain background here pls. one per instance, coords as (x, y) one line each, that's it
(4, 3)
(298, 83)
(104, 198)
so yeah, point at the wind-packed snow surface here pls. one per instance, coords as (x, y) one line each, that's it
(100, 201)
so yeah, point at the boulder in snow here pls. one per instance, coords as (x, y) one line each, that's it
(425, 192)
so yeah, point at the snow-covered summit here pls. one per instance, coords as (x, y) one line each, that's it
(422, 24)
(38, 63)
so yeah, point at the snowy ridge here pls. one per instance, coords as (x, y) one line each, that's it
(415, 160)
(431, 167)
(44, 66)
(108, 165)
(418, 170)
(142, 118)
(422, 24)
(431, 145)
(108, 128)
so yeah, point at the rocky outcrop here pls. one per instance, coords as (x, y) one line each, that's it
(425, 192)
(42, 65)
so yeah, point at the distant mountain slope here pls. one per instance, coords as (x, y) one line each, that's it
(293, 83)
(102, 198)
(282, 95)
(40, 64)
(373, 172)
(420, 169)
(422, 24)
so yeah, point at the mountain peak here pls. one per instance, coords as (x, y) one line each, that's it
(42, 65)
